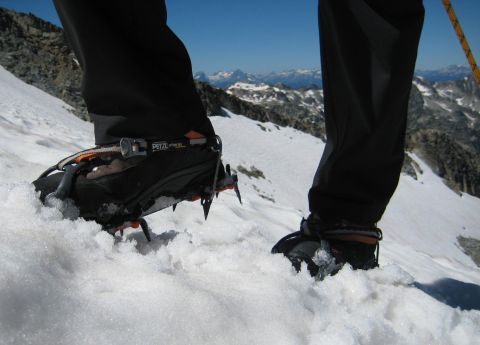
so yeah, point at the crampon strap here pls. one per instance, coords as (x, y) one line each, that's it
(367, 235)
(370, 235)
(131, 147)
(127, 147)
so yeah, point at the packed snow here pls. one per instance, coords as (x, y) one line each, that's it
(67, 282)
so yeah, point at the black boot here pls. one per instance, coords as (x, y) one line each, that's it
(326, 247)
(121, 183)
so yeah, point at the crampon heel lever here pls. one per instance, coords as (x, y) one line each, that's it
(234, 182)
(64, 188)
(210, 194)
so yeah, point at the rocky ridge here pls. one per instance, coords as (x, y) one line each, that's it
(36, 52)
(443, 123)
(305, 104)
(215, 100)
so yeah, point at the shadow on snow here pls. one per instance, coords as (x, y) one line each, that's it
(453, 293)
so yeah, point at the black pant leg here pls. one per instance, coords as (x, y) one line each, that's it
(368, 50)
(137, 75)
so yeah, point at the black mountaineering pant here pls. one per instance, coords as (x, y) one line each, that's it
(137, 75)
(368, 50)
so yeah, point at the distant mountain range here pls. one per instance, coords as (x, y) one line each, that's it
(312, 78)
(452, 72)
(295, 78)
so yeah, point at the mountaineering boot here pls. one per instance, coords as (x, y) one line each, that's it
(326, 247)
(120, 183)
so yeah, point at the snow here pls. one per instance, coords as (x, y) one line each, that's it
(444, 107)
(425, 91)
(444, 92)
(249, 86)
(470, 118)
(220, 75)
(35, 133)
(67, 282)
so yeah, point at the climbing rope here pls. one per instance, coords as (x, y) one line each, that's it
(461, 37)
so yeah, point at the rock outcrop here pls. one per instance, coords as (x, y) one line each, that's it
(36, 52)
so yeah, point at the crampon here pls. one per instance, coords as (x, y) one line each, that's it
(187, 169)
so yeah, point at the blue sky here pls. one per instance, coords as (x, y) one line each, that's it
(272, 35)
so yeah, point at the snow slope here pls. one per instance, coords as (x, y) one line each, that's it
(67, 282)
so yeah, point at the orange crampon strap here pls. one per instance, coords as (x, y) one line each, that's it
(91, 155)
(357, 235)
(354, 238)
(88, 154)
(194, 135)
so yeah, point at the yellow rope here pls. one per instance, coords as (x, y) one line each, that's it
(463, 40)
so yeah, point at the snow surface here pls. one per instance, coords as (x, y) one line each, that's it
(250, 86)
(67, 282)
(424, 90)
